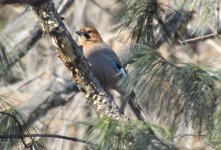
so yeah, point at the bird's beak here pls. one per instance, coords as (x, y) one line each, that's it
(79, 33)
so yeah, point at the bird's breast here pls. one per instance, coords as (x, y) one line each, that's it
(92, 49)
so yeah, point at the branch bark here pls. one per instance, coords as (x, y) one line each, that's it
(72, 56)
(54, 100)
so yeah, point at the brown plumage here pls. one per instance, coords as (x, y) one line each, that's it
(105, 63)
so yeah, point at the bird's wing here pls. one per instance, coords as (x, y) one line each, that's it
(114, 60)
(106, 65)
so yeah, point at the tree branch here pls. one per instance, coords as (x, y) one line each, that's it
(33, 2)
(72, 56)
(207, 35)
(73, 139)
(23, 135)
(51, 102)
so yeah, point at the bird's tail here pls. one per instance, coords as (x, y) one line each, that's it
(137, 110)
(135, 107)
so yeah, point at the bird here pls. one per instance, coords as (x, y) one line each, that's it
(106, 65)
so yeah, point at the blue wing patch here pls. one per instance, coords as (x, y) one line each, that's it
(118, 68)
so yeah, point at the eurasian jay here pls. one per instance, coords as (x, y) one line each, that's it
(105, 64)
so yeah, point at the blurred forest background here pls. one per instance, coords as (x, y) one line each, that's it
(177, 80)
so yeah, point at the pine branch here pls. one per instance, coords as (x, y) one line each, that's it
(4, 61)
(22, 134)
(19, 126)
(175, 22)
(112, 134)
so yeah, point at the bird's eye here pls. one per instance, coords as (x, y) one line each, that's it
(87, 35)
(89, 31)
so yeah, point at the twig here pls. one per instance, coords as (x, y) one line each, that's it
(199, 38)
(186, 135)
(19, 85)
(73, 139)
(18, 1)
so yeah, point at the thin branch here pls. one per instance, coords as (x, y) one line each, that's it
(51, 102)
(14, 87)
(33, 2)
(21, 52)
(73, 139)
(186, 135)
(200, 38)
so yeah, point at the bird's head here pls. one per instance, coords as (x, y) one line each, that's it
(88, 35)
